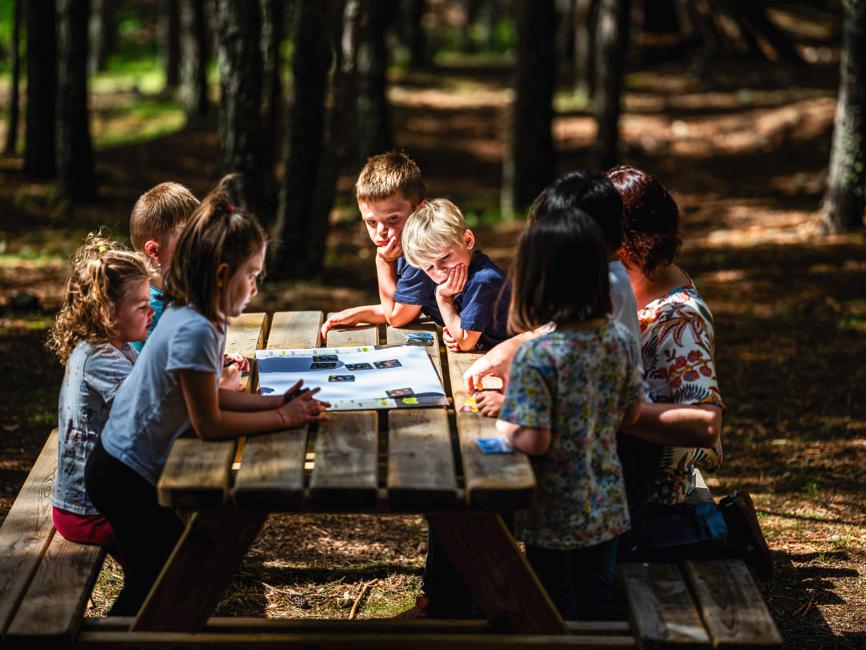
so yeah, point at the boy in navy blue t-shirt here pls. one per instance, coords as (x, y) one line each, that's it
(466, 292)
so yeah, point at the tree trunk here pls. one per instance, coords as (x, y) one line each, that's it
(418, 56)
(532, 141)
(75, 175)
(299, 243)
(241, 137)
(103, 31)
(273, 20)
(15, 55)
(170, 38)
(611, 42)
(374, 113)
(193, 45)
(583, 47)
(757, 18)
(660, 17)
(844, 200)
(39, 133)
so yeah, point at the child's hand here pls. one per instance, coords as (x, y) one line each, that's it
(230, 379)
(391, 251)
(303, 409)
(489, 402)
(344, 317)
(454, 284)
(450, 342)
(236, 359)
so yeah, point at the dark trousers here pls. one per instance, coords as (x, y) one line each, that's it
(145, 533)
(580, 582)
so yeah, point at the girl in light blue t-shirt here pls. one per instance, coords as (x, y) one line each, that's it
(174, 387)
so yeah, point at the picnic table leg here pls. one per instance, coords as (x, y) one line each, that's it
(496, 572)
(199, 570)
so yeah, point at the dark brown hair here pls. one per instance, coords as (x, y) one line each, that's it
(387, 174)
(560, 274)
(218, 232)
(650, 219)
(159, 213)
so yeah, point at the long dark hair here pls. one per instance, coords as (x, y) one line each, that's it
(560, 274)
(218, 232)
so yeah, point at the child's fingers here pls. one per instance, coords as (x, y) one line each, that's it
(309, 394)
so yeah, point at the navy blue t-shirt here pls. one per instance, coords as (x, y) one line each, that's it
(482, 305)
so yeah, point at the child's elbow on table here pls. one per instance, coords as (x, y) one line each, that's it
(529, 440)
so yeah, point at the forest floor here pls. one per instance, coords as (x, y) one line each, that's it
(744, 150)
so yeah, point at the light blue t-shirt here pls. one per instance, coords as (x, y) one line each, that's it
(94, 373)
(624, 302)
(158, 305)
(149, 411)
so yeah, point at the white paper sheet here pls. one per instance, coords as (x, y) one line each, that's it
(280, 369)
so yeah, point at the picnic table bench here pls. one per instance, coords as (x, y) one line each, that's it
(407, 460)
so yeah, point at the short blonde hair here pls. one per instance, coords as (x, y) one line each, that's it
(387, 174)
(435, 226)
(159, 213)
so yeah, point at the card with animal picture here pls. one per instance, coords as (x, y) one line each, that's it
(341, 378)
(400, 392)
(388, 363)
(325, 357)
(419, 338)
(323, 365)
(358, 366)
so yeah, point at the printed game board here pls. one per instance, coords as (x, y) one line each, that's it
(372, 377)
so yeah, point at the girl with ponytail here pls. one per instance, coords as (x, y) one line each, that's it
(107, 305)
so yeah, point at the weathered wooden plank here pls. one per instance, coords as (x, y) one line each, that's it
(353, 336)
(199, 570)
(494, 481)
(246, 334)
(57, 596)
(397, 335)
(294, 329)
(496, 572)
(271, 475)
(660, 607)
(420, 460)
(196, 474)
(27, 531)
(346, 460)
(730, 604)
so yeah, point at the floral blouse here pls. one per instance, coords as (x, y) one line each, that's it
(577, 383)
(678, 349)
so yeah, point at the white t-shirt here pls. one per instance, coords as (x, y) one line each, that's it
(149, 412)
(622, 297)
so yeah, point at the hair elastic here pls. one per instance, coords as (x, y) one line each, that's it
(229, 208)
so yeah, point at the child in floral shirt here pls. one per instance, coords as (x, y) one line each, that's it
(568, 393)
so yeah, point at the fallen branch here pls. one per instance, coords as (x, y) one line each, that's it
(364, 589)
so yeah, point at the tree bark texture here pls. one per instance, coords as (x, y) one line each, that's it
(844, 199)
(532, 141)
(374, 113)
(169, 22)
(611, 41)
(298, 233)
(15, 55)
(103, 33)
(39, 133)
(75, 174)
(273, 21)
(583, 47)
(193, 59)
(240, 64)
(417, 35)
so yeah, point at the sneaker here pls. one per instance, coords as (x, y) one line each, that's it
(744, 532)
(418, 610)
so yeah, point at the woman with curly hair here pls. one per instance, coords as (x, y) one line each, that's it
(678, 429)
(107, 305)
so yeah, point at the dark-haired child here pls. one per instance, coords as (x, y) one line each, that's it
(174, 387)
(568, 393)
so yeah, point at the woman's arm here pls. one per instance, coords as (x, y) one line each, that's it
(210, 422)
(678, 425)
(529, 440)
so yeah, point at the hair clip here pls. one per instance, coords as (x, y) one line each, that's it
(229, 208)
(103, 249)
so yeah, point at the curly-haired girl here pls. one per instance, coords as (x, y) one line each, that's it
(107, 305)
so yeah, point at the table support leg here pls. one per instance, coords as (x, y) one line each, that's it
(199, 570)
(498, 574)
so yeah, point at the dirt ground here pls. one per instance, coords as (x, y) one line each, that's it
(743, 147)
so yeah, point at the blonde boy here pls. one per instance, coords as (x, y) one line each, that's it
(471, 293)
(388, 189)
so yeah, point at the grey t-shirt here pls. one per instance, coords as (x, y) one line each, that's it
(149, 411)
(94, 373)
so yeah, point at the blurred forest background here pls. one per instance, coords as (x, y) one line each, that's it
(753, 112)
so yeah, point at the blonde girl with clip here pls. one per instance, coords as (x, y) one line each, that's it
(107, 305)
(174, 388)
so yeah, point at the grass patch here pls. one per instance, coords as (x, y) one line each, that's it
(140, 120)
